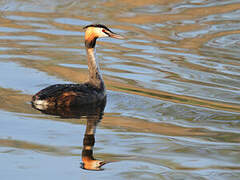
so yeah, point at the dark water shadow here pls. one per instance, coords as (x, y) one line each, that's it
(94, 114)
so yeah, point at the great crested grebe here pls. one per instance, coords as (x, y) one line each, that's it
(92, 91)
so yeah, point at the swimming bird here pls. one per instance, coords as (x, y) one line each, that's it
(92, 91)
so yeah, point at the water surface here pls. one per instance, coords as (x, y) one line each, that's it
(172, 110)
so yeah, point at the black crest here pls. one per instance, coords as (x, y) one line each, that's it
(97, 25)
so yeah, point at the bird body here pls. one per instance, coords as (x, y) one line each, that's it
(92, 91)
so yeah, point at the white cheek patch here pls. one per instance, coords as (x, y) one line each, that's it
(100, 33)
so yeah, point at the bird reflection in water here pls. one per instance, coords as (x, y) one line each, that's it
(94, 114)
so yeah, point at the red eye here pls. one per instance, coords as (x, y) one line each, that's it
(106, 32)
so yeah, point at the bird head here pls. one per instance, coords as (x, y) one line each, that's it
(95, 31)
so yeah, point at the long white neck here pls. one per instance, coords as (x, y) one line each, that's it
(95, 77)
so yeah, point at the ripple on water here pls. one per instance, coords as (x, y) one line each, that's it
(80, 66)
(27, 80)
(72, 21)
(224, 50)
(24, 18)
(8, 29)
(228, 42)
(23, 37)
(28, 57)
(59, 32)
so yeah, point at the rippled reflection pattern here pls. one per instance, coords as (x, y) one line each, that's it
(173, 89)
